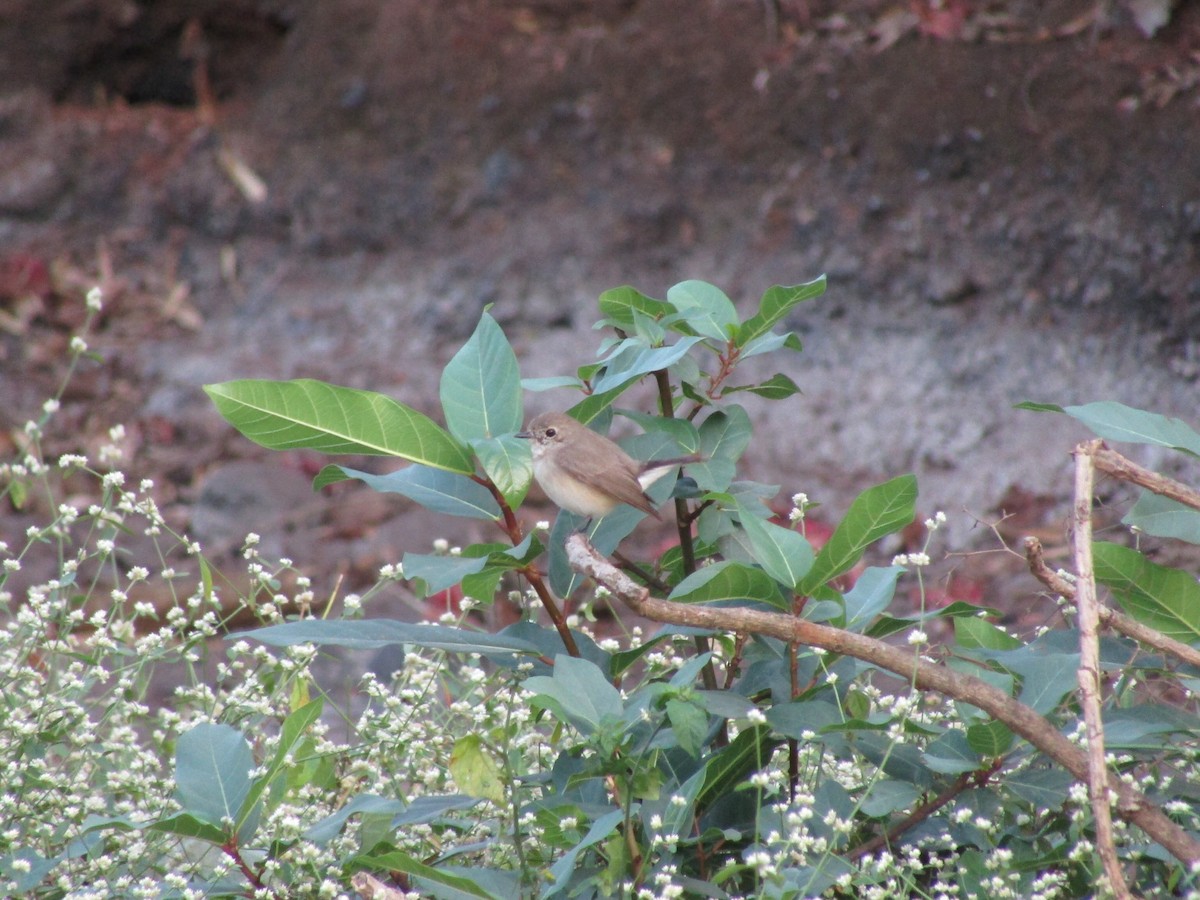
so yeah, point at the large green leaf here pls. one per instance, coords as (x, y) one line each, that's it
(705, 308)
(871, 595)
(1164, 598)
(435, 489)
(776, 303)
(421, 810)
(374, 633)
(186, 825)
(729, 580)
(989, 739)
(784, 554)
(437, 882)
(578, 693)
(749, 752)
(975, 633)
(876, 512)
(950, 754)
(475, 770)
(313, 415)
(724, 437)
(437, 573)
(1045, 678)
(1164, 517)
(567, 864)
(213, 763)
(1117, 422)
(508, 462)
(481, 386)
(682, 432)
(292, 734)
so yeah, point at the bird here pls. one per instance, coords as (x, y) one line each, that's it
(586, 473)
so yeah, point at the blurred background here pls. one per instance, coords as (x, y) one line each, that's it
(1005, 197)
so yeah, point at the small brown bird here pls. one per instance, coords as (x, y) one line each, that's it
(586, 473)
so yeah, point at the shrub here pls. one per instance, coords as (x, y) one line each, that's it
(784, 733)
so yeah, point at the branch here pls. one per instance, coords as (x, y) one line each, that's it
(1132, 804)
(1088, 673)
(1109, 617)
(512, 528)
(1118, 466)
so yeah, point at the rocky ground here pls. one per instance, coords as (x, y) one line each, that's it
(1005, 198)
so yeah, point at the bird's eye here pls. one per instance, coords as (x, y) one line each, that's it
(551, 432)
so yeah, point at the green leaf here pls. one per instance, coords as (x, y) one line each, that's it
(550, 383)
(565, 867)
(784, 554)
(595, 405)
(189, 826)
(436, 490)
(776, 303)
(1158, 596)
(369, 634)
(1164, 517)
(749, 752)
(440, 572)
(872, 594)
(1141, 728)
(1045, 677)
(1038, 407)
(689, 724)
(777, 387)
(313, 415)
(950, 754)
(769, 343)
(634, 359)
(577, 693)
(292, 735)
(876, 512)
(620, 304)
(451, 884)
(989, 739)
(682, 432)
(1041, 788)
(212, 773)
(724, 436)
(482, 585)
(729, 580)
(1117, 422)
(887, 796)
(974, 633)
(481, 386)
(420, 811)
(508, 462)
(474, 770)
(705, 308)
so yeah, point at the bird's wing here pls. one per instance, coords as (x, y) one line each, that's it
(619, 477)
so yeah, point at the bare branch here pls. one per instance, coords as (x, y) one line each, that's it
(1113, 463)
(1088, 619)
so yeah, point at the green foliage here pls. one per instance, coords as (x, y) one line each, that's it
(541, 761)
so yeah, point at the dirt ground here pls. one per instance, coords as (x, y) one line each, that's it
(1005, 197)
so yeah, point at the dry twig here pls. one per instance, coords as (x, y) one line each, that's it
(1088, 673)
